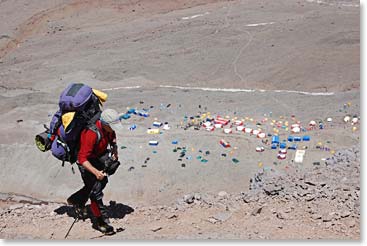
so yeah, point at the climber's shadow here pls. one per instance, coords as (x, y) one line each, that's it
(114, 210)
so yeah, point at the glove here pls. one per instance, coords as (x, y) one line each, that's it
(111, 166)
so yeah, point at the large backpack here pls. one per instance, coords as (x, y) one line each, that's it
(79, 108)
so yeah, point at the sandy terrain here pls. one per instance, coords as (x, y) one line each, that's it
(263, 62)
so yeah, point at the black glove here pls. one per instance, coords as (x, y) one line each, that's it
(111, 166)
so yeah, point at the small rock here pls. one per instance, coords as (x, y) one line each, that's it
(272, 189)
(350, 223)
(346, 188)
(16, 206)
(189, 198)
(247, 199)
(327, 217)
(345, 214)
(157, 228)
(212, 220)
(328, 224)
(281, 216)
(171, 216)
(223, 194)
(222, 217)
(316, 216)
(310, 182)
(303, 186)
(197, 196)
(256, 211)
(303, 193)
(310, 197)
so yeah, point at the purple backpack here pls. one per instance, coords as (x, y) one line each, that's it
(78, 98)
(75, 97)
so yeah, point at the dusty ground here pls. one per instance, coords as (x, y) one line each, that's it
(284, 61)
(320, 203)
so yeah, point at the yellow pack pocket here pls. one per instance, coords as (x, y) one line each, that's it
(67, 118)
(101, 95)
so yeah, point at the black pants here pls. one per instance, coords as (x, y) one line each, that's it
(92, 189)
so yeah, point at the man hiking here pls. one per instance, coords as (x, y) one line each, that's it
(97, 148)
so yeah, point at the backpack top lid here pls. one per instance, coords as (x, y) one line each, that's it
(74, 97)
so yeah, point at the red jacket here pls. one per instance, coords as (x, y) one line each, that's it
(88, 147)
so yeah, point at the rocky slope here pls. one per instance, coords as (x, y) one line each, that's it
(322, 202)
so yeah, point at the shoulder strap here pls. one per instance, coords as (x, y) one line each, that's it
(94, 119)
(95, 129)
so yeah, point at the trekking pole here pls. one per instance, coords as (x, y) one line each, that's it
(76, 219)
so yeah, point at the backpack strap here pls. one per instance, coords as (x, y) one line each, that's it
(95, 129)
(94, 119)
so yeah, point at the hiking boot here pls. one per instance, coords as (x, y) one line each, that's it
(81, 212)
(103, 227)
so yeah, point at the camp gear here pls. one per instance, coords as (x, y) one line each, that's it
(157, 124)
(101, 95)
(65, 147)
(79, 108)
(260, 149)
(297, 139)
(255, 131)
(153, 143)
(238, 122)
(124, 116)
(153, 131)
(227, 130)
(306, 138)
(240, 128)
(275, 139)
(142, 113)
(43, 141)
(220, 120)
(283, 151)
(283, 145)
(293, 147)
(299, 156)
(281, 156)
(224, 143)
(248, 130)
